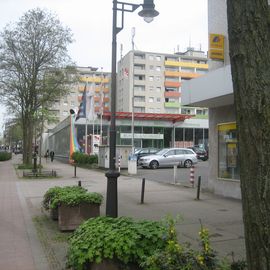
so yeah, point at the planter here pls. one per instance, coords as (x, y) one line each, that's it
(54, 213)
(70, 217)
(112, 265)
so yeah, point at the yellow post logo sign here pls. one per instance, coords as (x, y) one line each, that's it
(216, 46)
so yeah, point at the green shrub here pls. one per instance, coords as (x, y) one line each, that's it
(122, 238)
(5, 156)
(82, 158)
(54, 192)
(75, 198)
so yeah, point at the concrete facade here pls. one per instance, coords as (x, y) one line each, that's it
(155, 79)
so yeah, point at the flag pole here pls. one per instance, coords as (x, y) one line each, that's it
(86, 126)
(101, 106)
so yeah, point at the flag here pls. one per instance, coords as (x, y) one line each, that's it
(125, 72)
(73, 142)
(82, 108)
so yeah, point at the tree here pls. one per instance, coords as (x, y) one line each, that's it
(33, 68)
(249, 42)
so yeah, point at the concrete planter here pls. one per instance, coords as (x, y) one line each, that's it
(112, 265)
(70, 217)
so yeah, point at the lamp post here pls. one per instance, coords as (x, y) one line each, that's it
(148, 13)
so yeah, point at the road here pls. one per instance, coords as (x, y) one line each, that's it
(166, 175)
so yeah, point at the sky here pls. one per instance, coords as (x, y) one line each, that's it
(180, 24)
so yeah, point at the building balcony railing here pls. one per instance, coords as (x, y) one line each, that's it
(186, 64)
(172, 84)
(182, 74)
(168, 94)
(172, 104)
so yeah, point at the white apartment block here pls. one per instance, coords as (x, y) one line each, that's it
(155, 79)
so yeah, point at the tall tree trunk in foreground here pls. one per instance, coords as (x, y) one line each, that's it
(249, 41)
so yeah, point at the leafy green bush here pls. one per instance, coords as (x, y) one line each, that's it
(75, 198)
(121, 239)
(177, 256)
(54, 192)
(82, 158)
(5, 156)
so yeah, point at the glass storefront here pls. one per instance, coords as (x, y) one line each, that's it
(228, 159)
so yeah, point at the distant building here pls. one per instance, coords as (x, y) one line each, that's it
(91, 78)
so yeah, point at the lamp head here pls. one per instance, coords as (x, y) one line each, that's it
(148, 12)
(72, 111)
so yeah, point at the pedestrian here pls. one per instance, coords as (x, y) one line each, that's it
(52, 155)
(47, 154)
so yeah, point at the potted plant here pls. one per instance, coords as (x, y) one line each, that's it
(53, 193)
(76, 207)
(106, 243)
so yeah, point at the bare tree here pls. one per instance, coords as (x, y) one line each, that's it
(33, 73)
(249, 41)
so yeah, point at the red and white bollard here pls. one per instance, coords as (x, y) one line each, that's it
(191, 177)
(119, 163)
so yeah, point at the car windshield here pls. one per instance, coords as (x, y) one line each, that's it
(162, 152)
(137, 151)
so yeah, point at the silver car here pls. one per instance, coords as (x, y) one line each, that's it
(168, 157)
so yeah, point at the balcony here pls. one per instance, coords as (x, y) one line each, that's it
(169, 94)
(172, 104)
(188, 75)
(94, 79)
(186, 64)
(172, 84)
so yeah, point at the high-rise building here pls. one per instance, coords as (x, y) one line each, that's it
(155, 79)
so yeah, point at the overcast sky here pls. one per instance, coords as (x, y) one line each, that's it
(180, 23)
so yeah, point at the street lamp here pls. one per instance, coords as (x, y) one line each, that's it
(148, 13)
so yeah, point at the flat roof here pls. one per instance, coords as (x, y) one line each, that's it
(149, 116)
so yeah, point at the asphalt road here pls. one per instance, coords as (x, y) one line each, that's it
(182, 175)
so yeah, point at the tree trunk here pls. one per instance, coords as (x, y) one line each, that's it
(27, 140)
(249, 41)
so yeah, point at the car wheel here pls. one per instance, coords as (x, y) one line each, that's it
(154, 164)
(188, 163)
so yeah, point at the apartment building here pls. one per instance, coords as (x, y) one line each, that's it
(92, 79)
(155, 79)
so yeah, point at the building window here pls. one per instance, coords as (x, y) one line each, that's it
(139, 109)
(151, 67)
(139, 99)
(158, 68)
(151, 78)
(158, 89)
(139, 88)
(228, 160)
(151, 110)
(139, 77)
(151, 99)
(158, 58)
(158, 99)
(151, 88)
(158, 78)
(151, 57)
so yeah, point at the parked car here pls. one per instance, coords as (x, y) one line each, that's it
(202, 154)
(145, 152)
(168, 157)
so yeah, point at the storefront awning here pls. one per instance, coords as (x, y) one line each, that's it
(149, 116)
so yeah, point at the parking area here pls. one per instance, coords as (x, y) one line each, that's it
(167, 175)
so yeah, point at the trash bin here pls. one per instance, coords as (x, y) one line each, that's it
(132, 164)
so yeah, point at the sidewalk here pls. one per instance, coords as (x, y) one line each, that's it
(21, 201)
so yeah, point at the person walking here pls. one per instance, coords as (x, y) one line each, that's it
(52, 155)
